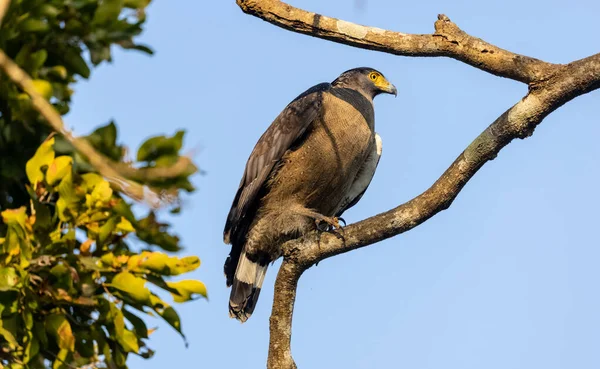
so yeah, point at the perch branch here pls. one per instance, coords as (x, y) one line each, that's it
(517, 122)
(550, 86)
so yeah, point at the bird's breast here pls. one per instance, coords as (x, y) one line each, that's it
(321, 169)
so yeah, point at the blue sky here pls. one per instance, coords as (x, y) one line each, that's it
(506, 278)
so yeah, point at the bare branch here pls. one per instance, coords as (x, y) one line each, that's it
(550, 86)
(447, 40)
(4, 5)
(182, 165)
(117, 174)
(280, 352)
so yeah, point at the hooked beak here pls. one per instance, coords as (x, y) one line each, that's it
(386, 87)
(391, 89)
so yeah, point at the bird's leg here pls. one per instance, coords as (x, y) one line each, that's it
(332, 223)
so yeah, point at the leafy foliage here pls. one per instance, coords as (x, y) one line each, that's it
(73, 288)
(52, 41)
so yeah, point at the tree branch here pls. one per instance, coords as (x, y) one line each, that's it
(4, 4)
(447, 40)
(517, 122)
(550, 86)
(118, 174)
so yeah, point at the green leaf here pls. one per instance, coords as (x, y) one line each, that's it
(49, 11)
(84, 344)
(33, 25)
(36, 60)
(108, 11)
(74, 61)
(139, 326)
(8, 336)
(58, 72)
(138, 47)
(132, 286)
(187, 289)
(8, 330)
(43, 218)
(8, 279)
(158, 146)
(105, 140)
(32, 348)
(167, 313)
(68, 201)
(151, 231)
(106, 230)
(9, 302)
(59, 168)
(136, 4)
(58, 327)
(43, 157)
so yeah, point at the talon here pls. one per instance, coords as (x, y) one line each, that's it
(342, 220)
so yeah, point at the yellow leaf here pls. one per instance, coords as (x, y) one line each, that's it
(91, 180)
(59, 168)
(43, 88)
(129, 341)
(132, 286)
(122, 259)
(59, 71)
(134, 262)
(15, 217)
(8, 279)
(108, 259)
(58, 326)
(187, 289)
(163, 264)
(125, 226)
(43, 156)
(101, 194)
(61, 359)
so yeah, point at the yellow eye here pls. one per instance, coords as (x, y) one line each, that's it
(373, 76)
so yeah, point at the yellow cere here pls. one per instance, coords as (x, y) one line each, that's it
(378, 80)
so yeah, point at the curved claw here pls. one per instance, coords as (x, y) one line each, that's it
(340, 219)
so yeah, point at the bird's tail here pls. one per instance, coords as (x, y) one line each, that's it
(248, 280)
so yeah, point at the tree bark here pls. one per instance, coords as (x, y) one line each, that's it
(550, 86)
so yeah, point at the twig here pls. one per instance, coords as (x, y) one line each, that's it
(102, 164)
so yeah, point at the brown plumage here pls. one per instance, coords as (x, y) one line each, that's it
(314, 162)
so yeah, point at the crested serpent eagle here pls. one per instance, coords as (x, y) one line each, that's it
(314, 162)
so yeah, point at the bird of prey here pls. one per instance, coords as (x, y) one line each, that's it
(314, 162)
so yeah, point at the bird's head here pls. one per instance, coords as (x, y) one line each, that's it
(367, 80)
